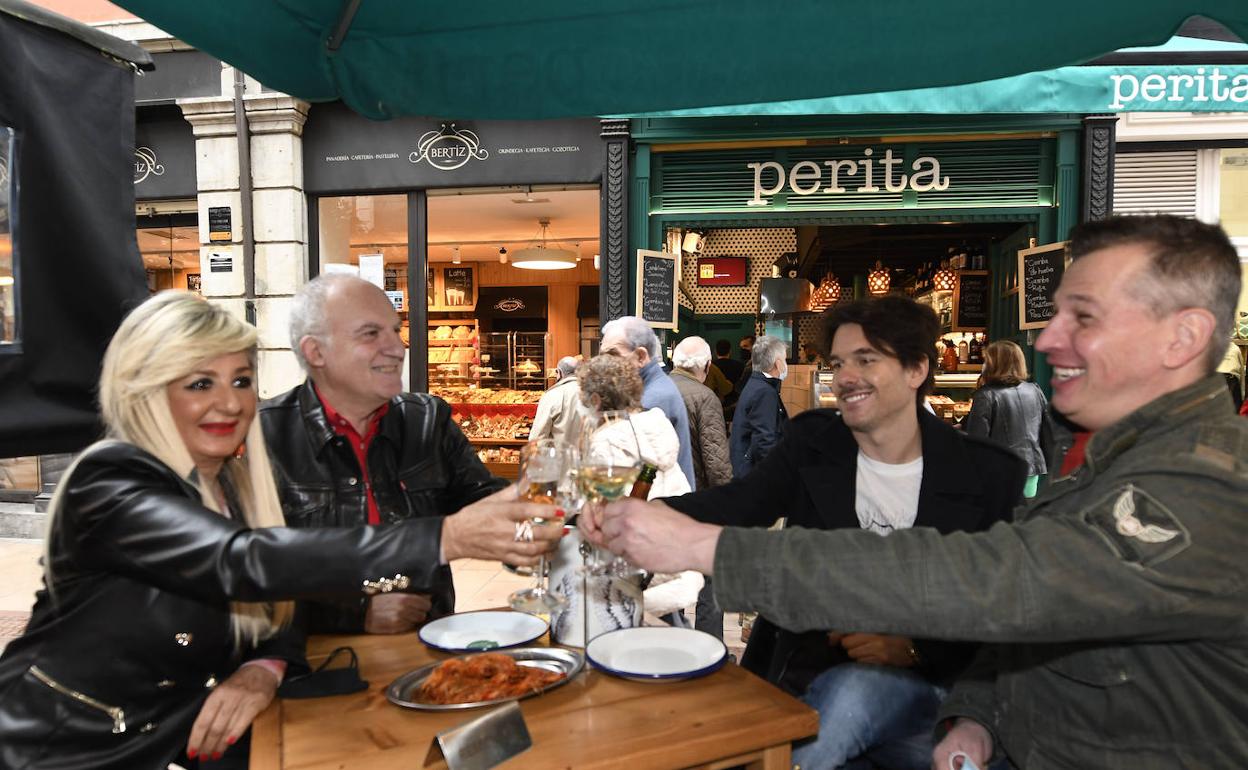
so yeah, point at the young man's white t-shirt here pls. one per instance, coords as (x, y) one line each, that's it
(887, 496)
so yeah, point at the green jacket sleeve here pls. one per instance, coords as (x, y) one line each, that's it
(1059, 576)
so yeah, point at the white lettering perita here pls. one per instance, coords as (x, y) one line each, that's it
(807, 178)
(889, 162)
(867, 164)
(937, 182)
(804, 171)
(759, 192)
(834, 186)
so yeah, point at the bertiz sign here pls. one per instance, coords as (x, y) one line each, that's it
(808, 177)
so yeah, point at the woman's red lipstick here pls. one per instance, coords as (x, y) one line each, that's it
(219, 428)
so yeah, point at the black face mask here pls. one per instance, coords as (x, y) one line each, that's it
(325, 681)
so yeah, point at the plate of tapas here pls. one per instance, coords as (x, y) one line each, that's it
(485, 678)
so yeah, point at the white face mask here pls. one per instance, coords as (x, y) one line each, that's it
(784, 371)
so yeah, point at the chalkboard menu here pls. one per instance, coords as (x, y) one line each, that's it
(658, 275)
(1039, 271)
(457, 286)
(970, 301)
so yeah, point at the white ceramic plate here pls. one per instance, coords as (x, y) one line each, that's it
(481, 631)
(657, 653)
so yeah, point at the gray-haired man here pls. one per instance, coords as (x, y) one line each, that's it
(633, 339)
(350, 448)
(758, 423)
(559, 412)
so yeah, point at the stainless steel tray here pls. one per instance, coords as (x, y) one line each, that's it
(404, 690)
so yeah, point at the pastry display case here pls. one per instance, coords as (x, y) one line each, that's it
(492, 382)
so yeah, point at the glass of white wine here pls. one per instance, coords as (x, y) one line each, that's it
(610, 462)
(543, 465)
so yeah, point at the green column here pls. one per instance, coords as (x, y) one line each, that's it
(638, 216)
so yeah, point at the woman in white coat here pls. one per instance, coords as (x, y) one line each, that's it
(611, 383)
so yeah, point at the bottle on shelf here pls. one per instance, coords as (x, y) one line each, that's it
(645, 480)
(975, 354)
(964, 349)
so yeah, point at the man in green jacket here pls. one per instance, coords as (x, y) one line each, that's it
(1117, 599)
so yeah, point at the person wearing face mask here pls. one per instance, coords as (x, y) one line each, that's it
(760, 418)
(883, 464)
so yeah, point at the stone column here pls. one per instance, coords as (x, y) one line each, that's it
(279, 218)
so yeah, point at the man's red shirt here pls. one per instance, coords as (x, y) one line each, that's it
(359, 445)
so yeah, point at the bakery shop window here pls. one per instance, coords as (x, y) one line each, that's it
(169, 245)
(8, 275)
(365, 235)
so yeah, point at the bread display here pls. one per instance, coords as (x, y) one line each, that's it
(500, 454)
(495, 426)
(469, 395)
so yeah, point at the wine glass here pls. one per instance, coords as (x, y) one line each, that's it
(610, 462)
(544, 465)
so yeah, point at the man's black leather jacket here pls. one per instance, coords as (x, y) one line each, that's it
(419, 465)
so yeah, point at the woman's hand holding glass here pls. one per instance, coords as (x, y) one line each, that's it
(610, 463)
(544, 468)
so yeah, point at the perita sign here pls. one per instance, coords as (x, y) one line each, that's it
(808, 177)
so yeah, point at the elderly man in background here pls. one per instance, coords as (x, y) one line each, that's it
(691, 362)
(759, 421)
(350, 448)
(559, 411)
(1117, 597)
(632, 338)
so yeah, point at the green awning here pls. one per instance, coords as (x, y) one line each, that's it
(1211, 88)
(503, 59)
(1158, 87)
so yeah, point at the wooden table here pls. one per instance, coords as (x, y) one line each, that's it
(723, 720)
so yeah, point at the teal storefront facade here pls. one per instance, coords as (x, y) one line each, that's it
(1035, 172)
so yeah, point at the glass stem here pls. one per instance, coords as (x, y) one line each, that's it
(540, 586)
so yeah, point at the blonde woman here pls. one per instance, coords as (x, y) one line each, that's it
(167, 563)
(1010, 410)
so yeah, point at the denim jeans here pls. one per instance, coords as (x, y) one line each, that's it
(867, 712)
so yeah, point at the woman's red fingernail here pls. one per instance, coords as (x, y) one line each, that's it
(231, 740)
(216, 755)
(190, 753)
(560, 513)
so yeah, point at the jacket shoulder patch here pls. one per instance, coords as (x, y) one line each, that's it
(1137, 526)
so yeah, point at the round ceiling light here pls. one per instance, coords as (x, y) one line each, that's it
(543, 257)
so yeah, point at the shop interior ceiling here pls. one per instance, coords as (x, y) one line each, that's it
(479, 222)
(502, 59)
(160, 244)
(848, 250)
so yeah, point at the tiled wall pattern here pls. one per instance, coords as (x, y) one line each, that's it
(761, 245)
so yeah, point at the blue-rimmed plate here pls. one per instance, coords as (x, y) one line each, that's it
(657, 653)
(483, 630)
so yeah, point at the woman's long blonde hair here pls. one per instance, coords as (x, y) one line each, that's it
(163, 340)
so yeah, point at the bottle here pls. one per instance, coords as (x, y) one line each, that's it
(645, 480)
(964, 350)
(976, 353)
